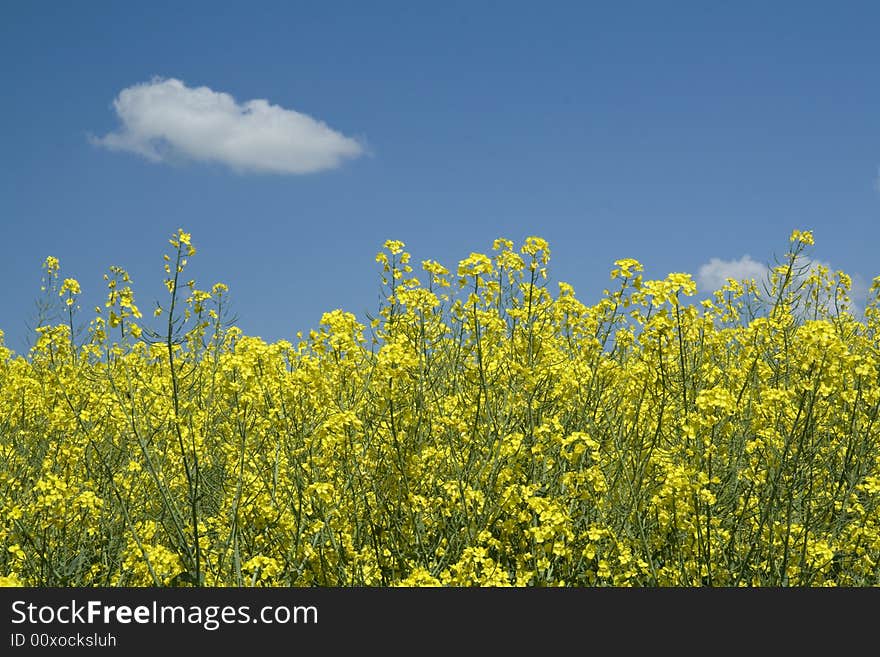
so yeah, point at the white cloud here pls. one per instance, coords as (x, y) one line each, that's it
(714, 274)
(165, 120)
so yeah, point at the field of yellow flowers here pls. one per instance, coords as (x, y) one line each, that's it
(482, 430)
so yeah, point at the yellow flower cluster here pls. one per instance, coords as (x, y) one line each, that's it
(491, 433)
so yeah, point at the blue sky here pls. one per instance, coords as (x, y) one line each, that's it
(674, 133)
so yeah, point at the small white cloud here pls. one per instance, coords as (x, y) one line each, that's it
(714, 274)
(164, 120)
(859, 294)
